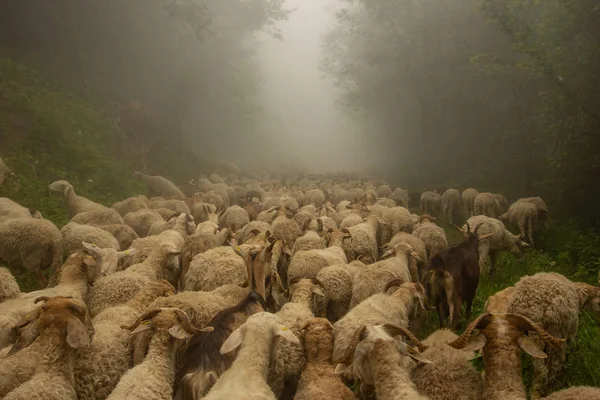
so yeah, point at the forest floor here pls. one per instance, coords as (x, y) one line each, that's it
(47, 134)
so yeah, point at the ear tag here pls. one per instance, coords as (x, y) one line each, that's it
(285, 328)
(147, 322)
(126, 252)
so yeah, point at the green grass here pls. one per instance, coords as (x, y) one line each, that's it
(564, 248)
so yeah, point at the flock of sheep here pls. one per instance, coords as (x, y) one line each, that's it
(276, 288)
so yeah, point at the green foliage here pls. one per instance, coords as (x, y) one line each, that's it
(47, 135)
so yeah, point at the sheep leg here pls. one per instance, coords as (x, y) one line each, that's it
(494, 258)
(521, 224)
(484, 254)
(530, 226)
(440, 310)
(42, 278)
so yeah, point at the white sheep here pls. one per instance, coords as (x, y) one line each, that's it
(75, 204)
(74, 234)
(11, 210)
(310, 241)
(553, 302)
(142, 220)
(107, 216)
(497, 239)
(124, 234)
(153, 378)
(247, 376)
(415, 267)
(499, 302)
(177, 206)
(541, 205)
(364, 240)
(468, 200)
(130, 204)
(525, 216)
(159, 186)
(213, 268)
(107, 260)
(451, 205)
(336, 281)
(486, 204)
(234, 218)
(432, 235)
(431, 203)
(9, 288)
(400, 196)
(375, 277)
(315, 197)
(397, 219)
(384, 191)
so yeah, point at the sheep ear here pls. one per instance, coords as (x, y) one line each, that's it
(412, 353)
(285, 333)
(233, 342)
(342, 368)
(78, 336)
(26, 337)
(318, 291)
(127, 252)
(178, 332)
(476, 343)
(90, 247)
(529, 347)
(144, 326)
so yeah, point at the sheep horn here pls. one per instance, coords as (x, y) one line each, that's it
(477, 228)
(357, 336)
(463, 339)
(41, 298)
(525, 325)
(469, 227)
(395, 282)
(186, 323)
(394, 330)
(145, 316)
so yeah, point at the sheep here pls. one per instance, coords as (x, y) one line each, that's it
(498, 302)
(453, 277)
(124, 234)
(450, 375)
(364, 240)
(197, 243)
(418, 246)
(501, 239)
(376, 356)
(75, 204)
(322, 223)
(159, 227)
(106, 216)
(400, 196)
(201, 364)
(541, 205)
(74, 234)
(351, 220)
(575, 393)
(468, 200)
(315, 197)
(486, 204)
(202, 211)
(214, 268)
(9, 288)
(384, 191)
(4, 172)
(234, 218)
(99, 367)
(502, 202)
(432, 235)
(214, 198)
(387, 203)
(307, 264)
(286, 229)
(11, 210)
(375, 277)
(500, 337)
(159, 186)
(120, 287)
(44, 369)
(380, 308)
(336, 281)
(397, 219)
(154, 377)
(247, 375)
(310, 241)
(431, 203)
(32, 244)
(553, 302)
(130, 205)
(318, 380)
(525, 216)
(142, 220)
(451, 205)
(166, 213)
(252, 229)
(107, 260)
(177, 206)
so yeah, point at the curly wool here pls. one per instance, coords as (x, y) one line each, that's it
(107, 216)
(214, 268)
(124, 234)
(523, 215)
(130, 205)
(9, 288)
(433, 236)
(11, 210)
(337, 287)
(235, 218)
(160, 186)
(468, 200)
(486, 204)
(142, 220)
(74, 234)
(451, 205)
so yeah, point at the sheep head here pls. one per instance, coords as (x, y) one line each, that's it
(318, 340)
(62, 187)
(171, 320)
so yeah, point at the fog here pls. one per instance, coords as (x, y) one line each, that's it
(302, 119)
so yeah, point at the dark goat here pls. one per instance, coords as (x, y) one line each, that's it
(453, 276)
(200, 363)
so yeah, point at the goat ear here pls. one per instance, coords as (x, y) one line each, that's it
(78, 336)
(529, 347)
(286, 334)
(178, 332)
(412, 353)
(342, 368)
(476, 343)
(233, 342)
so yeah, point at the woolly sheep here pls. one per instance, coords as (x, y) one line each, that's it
(451, 205)
(75, 204)
(159, 186)
(502, 202)
(336, 281)
(351, 220)
(177, 206)
(541, 205)
(214, 268)
(468, 200)
(553, 302)
(107, 260)
(202, 212)
(415, 267)
(130, 205)
(322, 224)
(234, 218)
(99, 367)
(214, 198)
(62, 327)
(384, 191)
(318, 380)
(486, 204)
(500, 240)
(74, 234)
(286, 229)
(397, 219)
(11, 210)
(364, 240)
(310, 241)
(198, 243)
(252, 229)
(432, 235)
(142, 220)
(315, 197)
(575, 393)
(153, 378)
(9, 288)
(450, 375)
(124, 234)
(32, 244)
(499, 302)
(375, 277)
(400, 196)
(120, 287)
(431, 203)
(106, 216)
(524, 215)
(247, 375)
